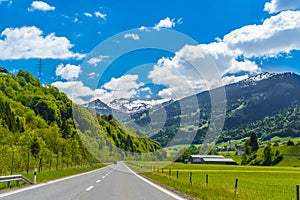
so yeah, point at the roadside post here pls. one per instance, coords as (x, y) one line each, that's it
(206, 180)
(236, 185)
(34, 177)
(297, 192)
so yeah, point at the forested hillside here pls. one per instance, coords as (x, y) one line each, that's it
(38, 121)
(267, 104)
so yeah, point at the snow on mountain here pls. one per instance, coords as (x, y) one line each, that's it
(254, 79)
(134, 106)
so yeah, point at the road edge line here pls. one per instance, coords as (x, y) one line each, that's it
(166, 191)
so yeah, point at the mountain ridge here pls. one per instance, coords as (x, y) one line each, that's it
(248, 101)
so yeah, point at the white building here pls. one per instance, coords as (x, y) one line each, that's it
(211, 159)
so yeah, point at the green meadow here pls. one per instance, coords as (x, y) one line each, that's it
(254, 182)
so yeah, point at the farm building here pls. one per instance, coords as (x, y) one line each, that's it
(211, 159)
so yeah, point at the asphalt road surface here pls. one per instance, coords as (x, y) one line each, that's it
(114, 182)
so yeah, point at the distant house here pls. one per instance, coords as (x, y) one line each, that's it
(211, 159)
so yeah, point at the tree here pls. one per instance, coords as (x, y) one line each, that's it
(253, 142)
(35, 147)
(267, 156)
(290, 143)
(276, 144)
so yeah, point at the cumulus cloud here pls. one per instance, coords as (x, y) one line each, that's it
(95, 60)
(28, 42)
(124, 87)
(68, 72)
(233, 55)
(277, 34)
(279, 5)
(101, 15)
(180, 81)
(75, 90)
(132, 35)
(165, 23)
(40, 5)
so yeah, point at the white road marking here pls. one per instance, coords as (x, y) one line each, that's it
(98, 181)
(103, 176)
(157, 186)
(89, 188)
(48, 183)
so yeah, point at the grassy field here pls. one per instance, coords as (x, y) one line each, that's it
(253, 182)
(50, 175)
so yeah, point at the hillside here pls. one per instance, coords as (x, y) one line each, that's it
(267, 104)
(40, 120)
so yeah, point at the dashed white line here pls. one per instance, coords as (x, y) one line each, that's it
(103, 176)
(89, 188)
(98, 181)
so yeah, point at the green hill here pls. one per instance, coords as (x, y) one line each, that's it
(267, 106)
(41, 121)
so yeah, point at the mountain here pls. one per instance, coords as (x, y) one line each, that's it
(128, 106)
(98, 106)
(268, 104)
(44, 122)
(125, 109)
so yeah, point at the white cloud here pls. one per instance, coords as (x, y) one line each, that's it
(179, 79)
(185, 79)
(132, 35)
(28, 42)
(279, 5)
(75, 90)
(232, 55)
(94, 61)
(40, 5)
(233, 79)
(126, 82)
(124, 87)
(68, 72)
(88, 14)
(75, 20)
(101, 15)
(93, 75)
(277, 34)
(146, 89)
(144, 28)
(165, 23)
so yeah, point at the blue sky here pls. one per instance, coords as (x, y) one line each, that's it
(240, 38)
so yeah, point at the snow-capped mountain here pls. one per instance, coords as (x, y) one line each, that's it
(126, 106)
(254, 79)
(135, 106)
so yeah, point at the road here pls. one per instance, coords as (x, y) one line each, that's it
(113, 182)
